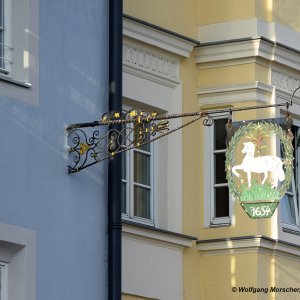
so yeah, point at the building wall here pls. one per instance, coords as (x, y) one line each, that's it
(149, 260)
(184, 12)
(152, 82)
(64, 215)
(248, 55)
(286, 13)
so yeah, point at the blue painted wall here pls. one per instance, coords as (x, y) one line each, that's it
(68, 212)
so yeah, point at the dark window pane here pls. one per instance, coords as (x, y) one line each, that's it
(123, 198)
(2, 49)
(221, 202)
(220, 133)
(141, 168)
(145, 147)
(288, 210)
(1, 53)
(220, 174)
(141, 202)
(123, 137)
(123, 158)
(2, 13)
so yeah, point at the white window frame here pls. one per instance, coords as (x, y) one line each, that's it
(2, 33)
(209, 186)
(6, 31)
(130, 184)
(20, 78)
(295, 194)
(3, 280)
(18, 255)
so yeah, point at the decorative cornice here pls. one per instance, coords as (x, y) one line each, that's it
(252, 244)
(233, 50)
(140, 59)
(235, 93)
(156, 236)
(247, 50)
(157, 37)
(286, 56)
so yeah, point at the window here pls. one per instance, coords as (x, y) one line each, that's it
(2, 281)
(19, 42)
(2, 28)
(17, 263)
(217, 202)
(289, 204)
(137, 181)
(3, 47)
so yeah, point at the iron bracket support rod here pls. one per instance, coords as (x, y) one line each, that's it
(172, 116)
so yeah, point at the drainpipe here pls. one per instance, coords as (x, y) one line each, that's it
(114, 169)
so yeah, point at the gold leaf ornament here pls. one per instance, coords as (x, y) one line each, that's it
(83, 148)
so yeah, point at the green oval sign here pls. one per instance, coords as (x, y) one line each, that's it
(255, 177)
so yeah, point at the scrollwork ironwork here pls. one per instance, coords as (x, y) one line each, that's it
(208, 120)
(86, 151)
(138, 128)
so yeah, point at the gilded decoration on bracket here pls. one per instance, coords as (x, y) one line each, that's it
(137, 128)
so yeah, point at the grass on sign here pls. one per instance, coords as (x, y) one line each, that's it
(259, 192)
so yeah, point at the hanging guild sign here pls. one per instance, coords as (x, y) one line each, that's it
(256, 177)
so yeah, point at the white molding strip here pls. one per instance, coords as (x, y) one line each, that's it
(157, 38)
(149, 76)
(232, 52)
(249, 244)
(285, 96)
(253, 91)
(229, 50)
(162, 238)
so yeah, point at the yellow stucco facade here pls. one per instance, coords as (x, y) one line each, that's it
(231, 71)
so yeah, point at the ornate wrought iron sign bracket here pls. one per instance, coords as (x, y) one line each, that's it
(88, 146)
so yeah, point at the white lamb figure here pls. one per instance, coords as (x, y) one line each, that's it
(260, 164)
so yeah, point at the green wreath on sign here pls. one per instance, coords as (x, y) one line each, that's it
(259, 192)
